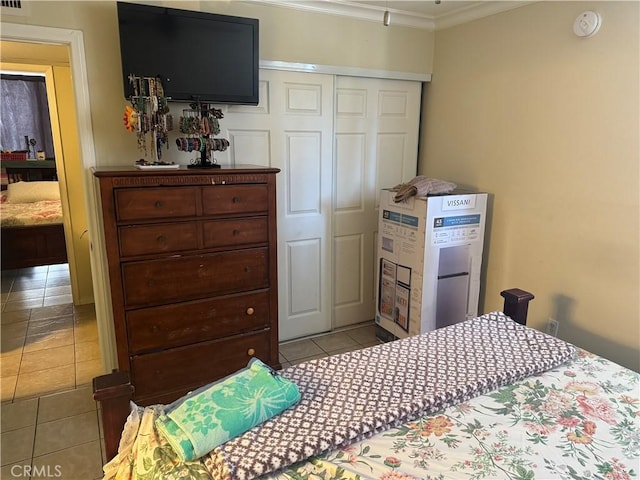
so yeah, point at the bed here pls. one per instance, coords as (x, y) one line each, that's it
(31, 222)
(485, 398)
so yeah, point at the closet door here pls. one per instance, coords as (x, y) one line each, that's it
(291, 129)
(376, 146)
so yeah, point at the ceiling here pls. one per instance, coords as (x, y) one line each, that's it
(425, 14)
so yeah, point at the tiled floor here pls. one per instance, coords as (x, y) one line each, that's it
(58, 435)
(47, 343)
(47, 346)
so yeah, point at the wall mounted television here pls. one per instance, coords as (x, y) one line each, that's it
(200, 57)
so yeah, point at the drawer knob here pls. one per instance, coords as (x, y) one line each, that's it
(161, 239)
(247, 269)
(236, 233)
(250, 311)
(235, 199)
(154, 329)
(158, 204)
(251, 352)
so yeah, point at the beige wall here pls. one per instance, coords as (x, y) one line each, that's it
(285, 35)
(548, 123)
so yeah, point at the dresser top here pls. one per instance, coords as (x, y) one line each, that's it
(131, 170)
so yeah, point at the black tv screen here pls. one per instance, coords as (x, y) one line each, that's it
(201, 57)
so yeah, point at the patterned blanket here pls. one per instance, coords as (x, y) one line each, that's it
(349, 397)
(27, 214)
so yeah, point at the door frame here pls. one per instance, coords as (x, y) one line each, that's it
(74, 40)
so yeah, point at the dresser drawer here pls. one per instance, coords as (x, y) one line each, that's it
(158, 238)
(188, 278)
(181, 324)
(223, 199)
(151, 203)
(196, 365)
(241, 231)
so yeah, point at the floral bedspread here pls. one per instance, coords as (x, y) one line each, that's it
(25, 214)
(577, 421)
(580, 420)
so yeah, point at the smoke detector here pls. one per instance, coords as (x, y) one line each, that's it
(587, 24)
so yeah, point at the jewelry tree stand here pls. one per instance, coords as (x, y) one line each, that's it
(148, 116)
(199, 125)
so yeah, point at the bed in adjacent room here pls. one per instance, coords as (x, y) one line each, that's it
(32, 225)
(485, 398)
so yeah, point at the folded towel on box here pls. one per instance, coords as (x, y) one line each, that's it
(205, 418)
(421, 186)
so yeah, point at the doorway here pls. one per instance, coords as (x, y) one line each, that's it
(49, 325)
(52, 61)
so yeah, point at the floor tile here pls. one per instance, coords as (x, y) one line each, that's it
(58, 272)
(17, 445)
(335, 341)
(82, 462)
(66, 432)
(10, 365)
(6, 284)
(8, 388)
(299, 349)
(363, 335)
(87, 310)
(32, 271)
(41, 341)
(63, 267)
(37, 327)
(306, 359)
(58, 281)
(85, 371)
(11, 345)
(66, 404)
(52, 312)
(17, 316)
(57, 300)
(19, 414)
(16, 471)
(28, 284)
(87, 351)
(52, 291)
(85, 332)
(47, 358)
(14, 330)
(45, 381)
(26, 295)
(23, 305)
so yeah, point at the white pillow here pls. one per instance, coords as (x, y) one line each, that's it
(29, 192)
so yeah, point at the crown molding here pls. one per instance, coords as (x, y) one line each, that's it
(354, 10)
(475, 12)
(399, 17)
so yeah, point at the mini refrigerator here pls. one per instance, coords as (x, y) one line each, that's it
(429, 262)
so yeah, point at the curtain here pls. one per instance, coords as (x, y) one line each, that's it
(25, 115)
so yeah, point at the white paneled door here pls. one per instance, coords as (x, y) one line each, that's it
(292, 129)
(329, 183)
(376, 146)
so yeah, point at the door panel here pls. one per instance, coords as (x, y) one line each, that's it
(332, 172)
(376, 146)
(291, 129)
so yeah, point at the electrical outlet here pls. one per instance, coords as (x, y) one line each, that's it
(552, 327)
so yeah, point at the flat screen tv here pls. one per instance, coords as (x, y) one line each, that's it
(201, 57)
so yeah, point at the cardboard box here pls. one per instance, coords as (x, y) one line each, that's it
(429, 261)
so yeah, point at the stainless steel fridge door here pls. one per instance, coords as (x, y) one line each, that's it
(452, 297)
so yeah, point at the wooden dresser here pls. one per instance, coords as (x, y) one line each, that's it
(193, 273)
